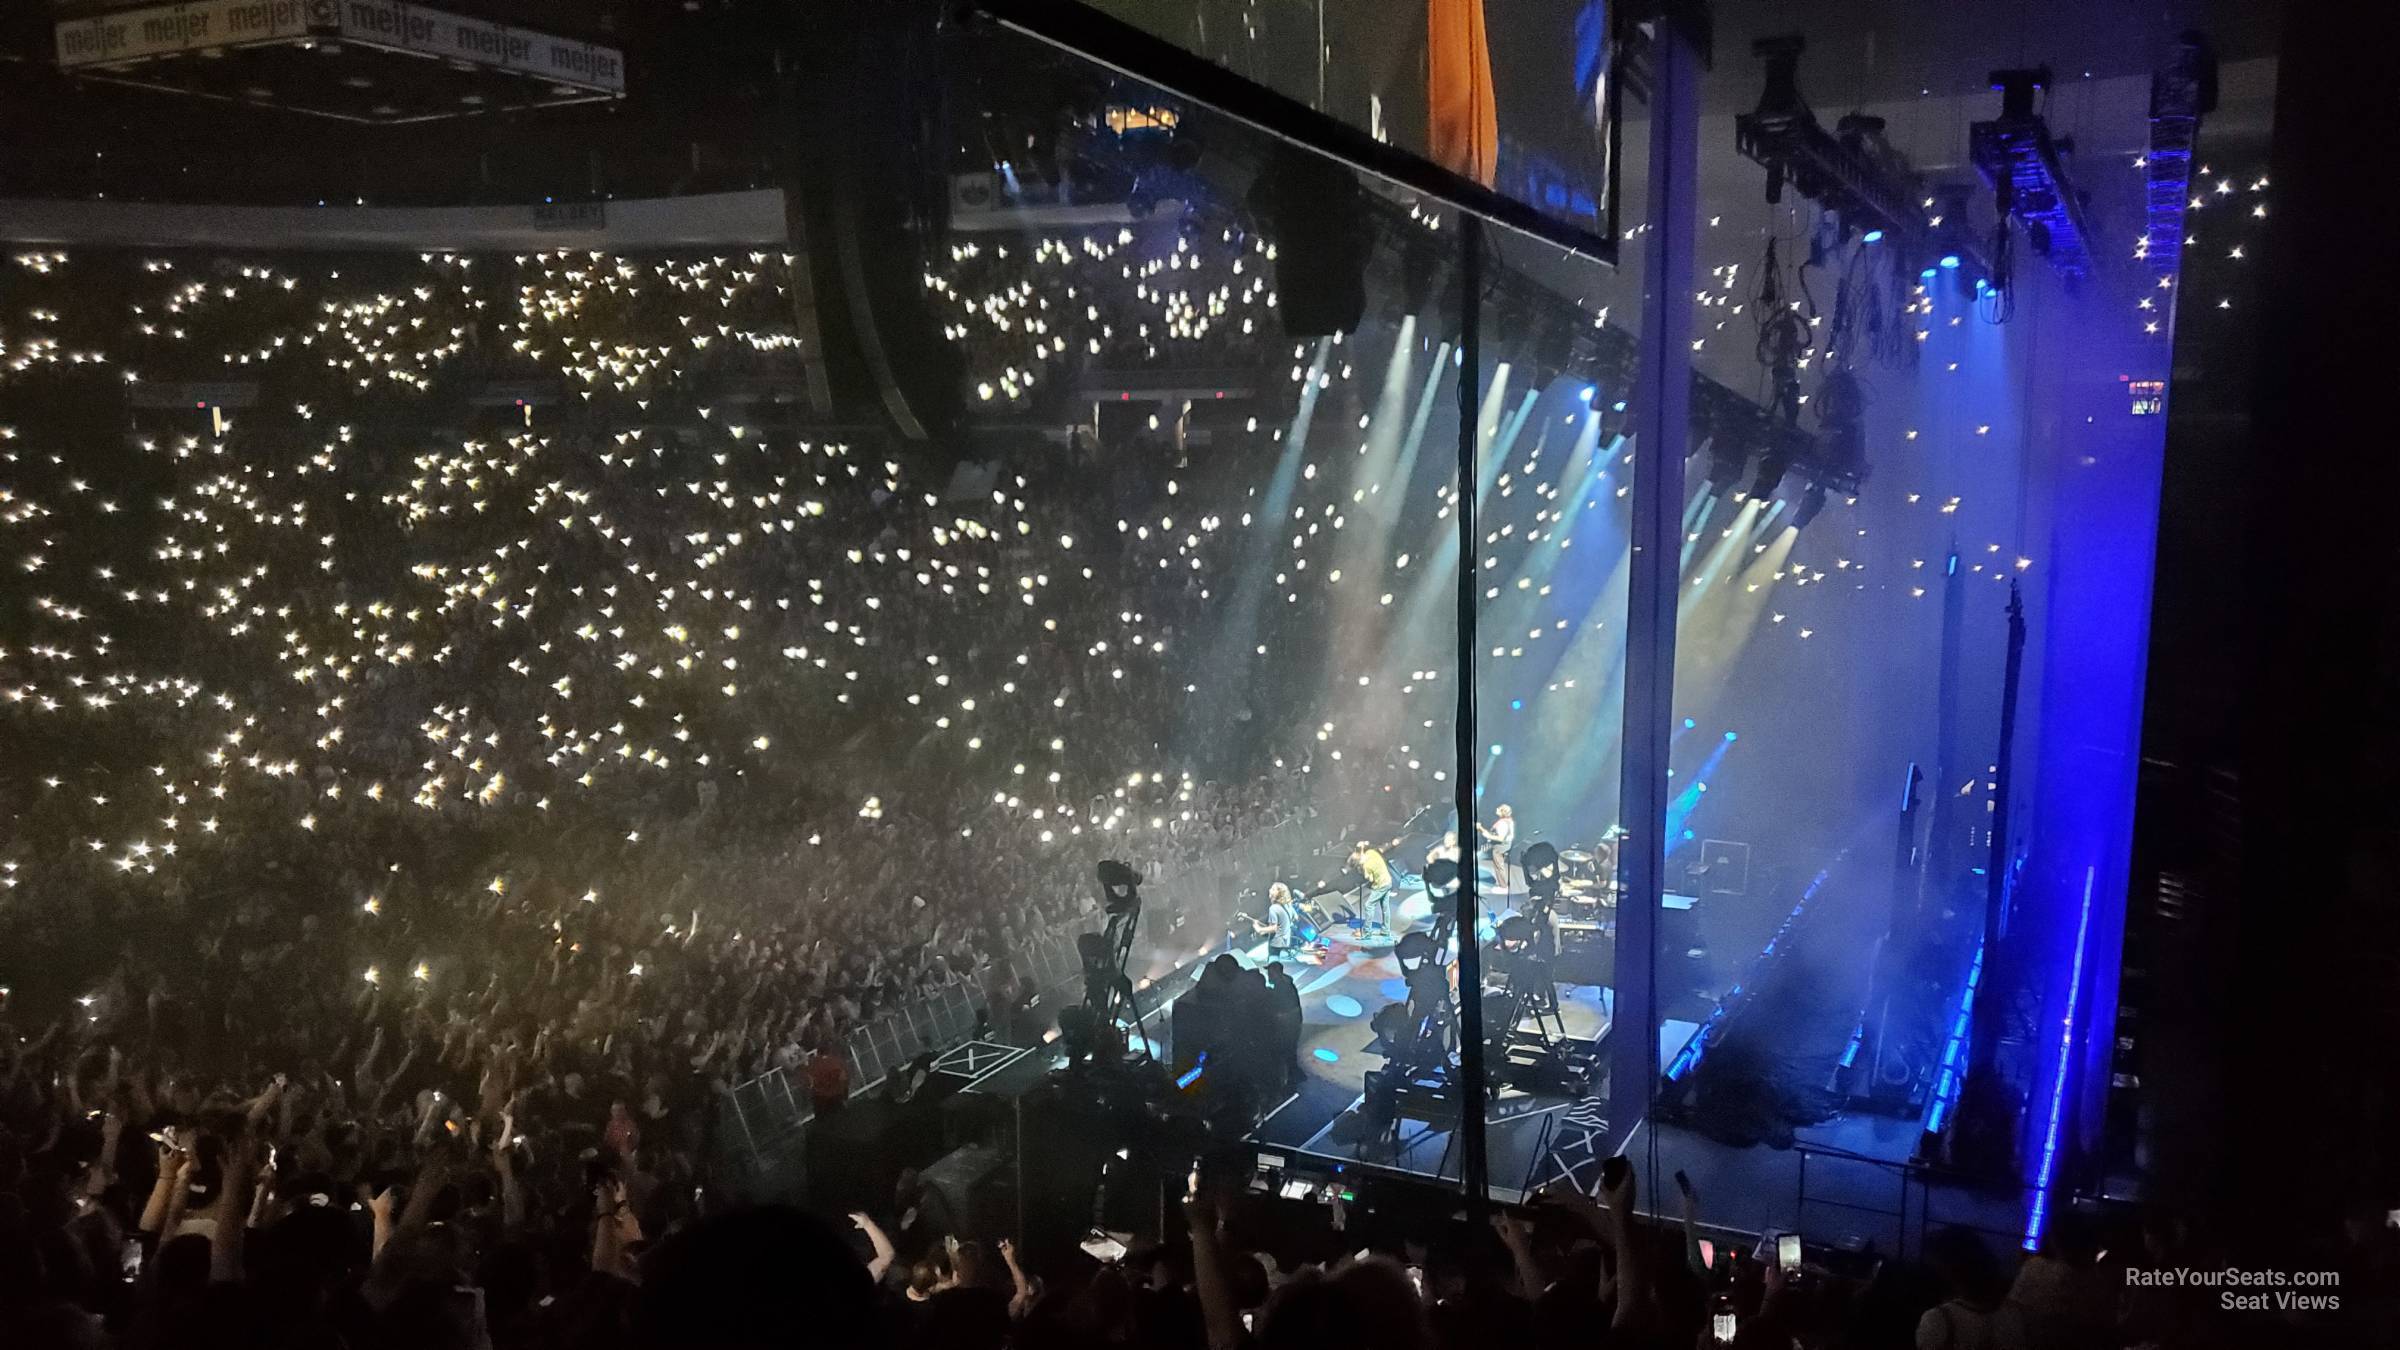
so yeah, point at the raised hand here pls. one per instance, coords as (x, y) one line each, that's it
(1514, 1232)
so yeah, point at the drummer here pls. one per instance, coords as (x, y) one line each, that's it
(1576, 864)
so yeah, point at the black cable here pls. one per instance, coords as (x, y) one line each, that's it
(1998, 303)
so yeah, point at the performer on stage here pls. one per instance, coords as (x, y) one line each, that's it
(1283, 925)
(1378, 890)
(1500, 836)
(1447, 849)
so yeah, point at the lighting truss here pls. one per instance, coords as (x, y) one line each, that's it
(1852, 171)
(2181, 93)
(2017, 157)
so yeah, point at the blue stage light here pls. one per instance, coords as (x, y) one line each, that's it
(1329, 1056)
(1874, 236)
(1949, 260)
(1733, 736)
(1688, 724)
(1495, 748)
(2037, 1221)
(1618, 406)
(1589, 391)
(1516, 705)
(1927, 274)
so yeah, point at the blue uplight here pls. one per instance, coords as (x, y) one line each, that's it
(1588, 392)
(2039, 1219)
(1688, 724)
(1329, 1056)
(1949, 260)
(1950, 1079)
(1733, 736)
(1516, 705)
(1495, 748)
(1927, 274)
(1874, 236)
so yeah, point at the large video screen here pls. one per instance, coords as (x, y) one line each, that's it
(1517, 97)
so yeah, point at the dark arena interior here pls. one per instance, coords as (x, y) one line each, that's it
(1175, 673)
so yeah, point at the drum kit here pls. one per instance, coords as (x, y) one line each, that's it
(1588, 876)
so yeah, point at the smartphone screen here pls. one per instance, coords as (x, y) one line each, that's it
(1787, 1251)
(1722, 1327)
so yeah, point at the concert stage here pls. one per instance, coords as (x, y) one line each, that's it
(1711, 944)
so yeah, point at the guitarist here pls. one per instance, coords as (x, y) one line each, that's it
(1283, 925)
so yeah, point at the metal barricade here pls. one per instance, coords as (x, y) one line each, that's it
(769, 1112)
(1185, 914)
(1896, 1205)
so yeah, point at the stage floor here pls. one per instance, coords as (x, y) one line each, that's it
(1338, 996)
(1843, 1194)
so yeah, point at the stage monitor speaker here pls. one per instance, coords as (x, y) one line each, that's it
(969, 1193)
(855, 1155)
(1315, 213)
(1728, 866)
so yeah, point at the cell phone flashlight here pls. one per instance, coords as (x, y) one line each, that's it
(1724, 1326)
(1787, 1252)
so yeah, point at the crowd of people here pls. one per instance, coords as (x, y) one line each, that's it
(394, 772)
(453, 752)
(364, 1209)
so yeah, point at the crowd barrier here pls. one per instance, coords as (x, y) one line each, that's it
(1185, 916)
